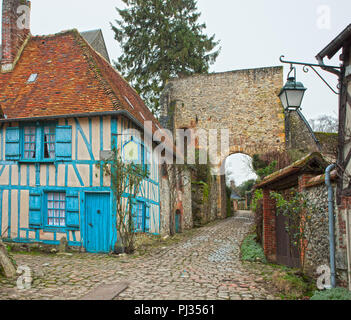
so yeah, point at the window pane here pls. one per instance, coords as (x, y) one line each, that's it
(29, 142)
(56, 204)
(49, 145)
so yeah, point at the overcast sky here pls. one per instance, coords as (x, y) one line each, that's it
(253, 33)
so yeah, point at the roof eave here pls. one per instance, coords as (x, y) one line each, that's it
(334, 46)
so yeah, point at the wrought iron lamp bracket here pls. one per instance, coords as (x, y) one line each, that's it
(313, 66)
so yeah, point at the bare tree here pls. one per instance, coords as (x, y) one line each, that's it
(325, 123)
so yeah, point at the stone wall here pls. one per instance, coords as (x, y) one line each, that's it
(318, 250)
(175, 186)
(318, 253)
(244, 101)
(186, 201)
(165, 205)
(204, 201)
(298, 135)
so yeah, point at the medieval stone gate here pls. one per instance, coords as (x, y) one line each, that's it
(245, 102)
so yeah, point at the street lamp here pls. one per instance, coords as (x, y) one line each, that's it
(292, 93)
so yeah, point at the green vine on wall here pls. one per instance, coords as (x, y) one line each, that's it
(126, 180)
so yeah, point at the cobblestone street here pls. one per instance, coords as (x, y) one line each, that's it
(203, 266)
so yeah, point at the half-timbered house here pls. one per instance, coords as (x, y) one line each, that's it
(63, 108)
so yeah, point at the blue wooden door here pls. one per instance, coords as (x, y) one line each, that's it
(97, 222)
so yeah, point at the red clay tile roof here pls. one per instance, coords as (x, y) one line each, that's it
(72, 79)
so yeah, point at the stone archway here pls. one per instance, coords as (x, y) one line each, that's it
(246, 103)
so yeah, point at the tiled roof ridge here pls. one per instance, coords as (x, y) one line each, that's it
(105, 82)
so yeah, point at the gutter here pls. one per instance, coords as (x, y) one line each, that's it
(331, 224)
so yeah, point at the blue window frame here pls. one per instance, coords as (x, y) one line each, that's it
(139, 219)
(39, 142)
(56, 209)
(49, 142)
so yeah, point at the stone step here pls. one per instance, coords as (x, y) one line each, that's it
(106, 291)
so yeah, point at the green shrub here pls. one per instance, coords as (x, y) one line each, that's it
(251, 250)
(258, 195)
(332, 294)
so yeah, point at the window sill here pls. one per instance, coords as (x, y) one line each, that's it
(59, 229)
(37, 161)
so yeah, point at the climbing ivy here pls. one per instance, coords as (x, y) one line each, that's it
(126, 179)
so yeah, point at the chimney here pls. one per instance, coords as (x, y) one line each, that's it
(15, 31)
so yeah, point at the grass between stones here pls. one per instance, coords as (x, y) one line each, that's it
(288, 283)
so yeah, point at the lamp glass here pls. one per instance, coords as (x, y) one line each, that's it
(292, 94)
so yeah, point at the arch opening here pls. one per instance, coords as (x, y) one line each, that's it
(237, 181)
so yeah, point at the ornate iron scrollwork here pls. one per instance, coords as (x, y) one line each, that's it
(307, 66)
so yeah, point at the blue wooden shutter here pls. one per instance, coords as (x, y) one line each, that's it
(147, 217)
(72, 209)
(64, 142)
(12, 151)
(134, 205)
(35, 204)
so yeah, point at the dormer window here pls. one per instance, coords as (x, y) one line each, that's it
(32, 78)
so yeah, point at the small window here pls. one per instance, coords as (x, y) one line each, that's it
(56, 206)
(29, 143)
(49, 142)
(32, 78)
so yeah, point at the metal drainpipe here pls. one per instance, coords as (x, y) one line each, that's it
(331, 223)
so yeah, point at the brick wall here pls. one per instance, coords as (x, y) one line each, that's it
(269, 236)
